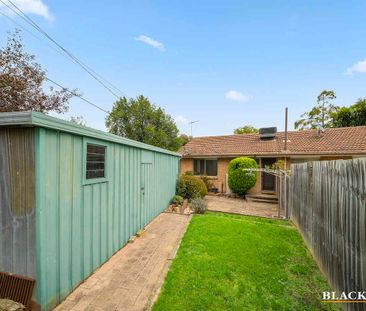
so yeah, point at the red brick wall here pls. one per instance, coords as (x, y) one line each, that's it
(258, 186)
(222, 167)
(186, 165)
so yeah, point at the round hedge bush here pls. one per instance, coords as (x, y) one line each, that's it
(240, 181)
(191, 187)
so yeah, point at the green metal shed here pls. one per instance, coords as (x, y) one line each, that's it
(71, 196)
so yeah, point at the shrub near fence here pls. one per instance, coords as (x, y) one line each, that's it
(327, 203)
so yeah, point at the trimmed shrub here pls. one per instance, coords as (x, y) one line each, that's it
(177, 200)
(207, 182)
(240, 181)
(188, 173)
(199, 206)
(191, 187)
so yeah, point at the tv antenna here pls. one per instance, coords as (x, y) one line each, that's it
(191, 123)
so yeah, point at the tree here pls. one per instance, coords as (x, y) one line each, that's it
(359, 112)
(343, 117)
(355, 115)
(184, 139)
(21, 79)
(246, 129)
(139, 120)
(79, 120)
(321, 114)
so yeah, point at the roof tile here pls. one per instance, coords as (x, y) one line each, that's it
(348, 140)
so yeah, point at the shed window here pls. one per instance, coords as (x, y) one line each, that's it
(95, 161)
(205, 167)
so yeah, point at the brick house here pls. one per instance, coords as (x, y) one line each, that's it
(211, 155)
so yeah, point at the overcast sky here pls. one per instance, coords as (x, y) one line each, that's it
(224, 63)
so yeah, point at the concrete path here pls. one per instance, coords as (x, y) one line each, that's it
(131, 279)
(240, 206)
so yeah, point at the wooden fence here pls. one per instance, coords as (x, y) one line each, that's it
(327, 202)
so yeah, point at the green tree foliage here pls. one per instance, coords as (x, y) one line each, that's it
(184, 138)
(21, 81)
(79, 120)
(191, 187)
(246, 129)
(355, 115)
(240, 180)
(139, 120)
(320, 114)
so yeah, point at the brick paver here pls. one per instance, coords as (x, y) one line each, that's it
(131, 279)
(240, 206)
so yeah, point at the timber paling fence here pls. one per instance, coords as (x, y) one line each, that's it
(327, 202)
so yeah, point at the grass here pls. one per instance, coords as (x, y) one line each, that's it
(229, 262)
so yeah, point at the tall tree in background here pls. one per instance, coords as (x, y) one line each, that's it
(321, 114)
(138, 119)
(184, 139)
(246, 129)
(355, 115)
(79, 120)
(21, 79)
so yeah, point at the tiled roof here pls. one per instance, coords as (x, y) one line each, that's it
(334, 141)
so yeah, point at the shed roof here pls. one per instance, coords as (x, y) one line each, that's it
(37, 119)
(334, 141)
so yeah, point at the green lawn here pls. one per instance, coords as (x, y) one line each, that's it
(228, 262)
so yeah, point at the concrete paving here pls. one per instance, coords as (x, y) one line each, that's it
(241, 206)
(132, 278)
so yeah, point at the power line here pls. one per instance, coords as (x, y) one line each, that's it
(85, 67)
(90, 71)
(31, 33)
(77, 95)
(49, 79)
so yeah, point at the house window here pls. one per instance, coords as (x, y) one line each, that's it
(205, 167)
(95, 161)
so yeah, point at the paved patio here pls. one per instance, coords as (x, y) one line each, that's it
(240, 206)
(131, 279)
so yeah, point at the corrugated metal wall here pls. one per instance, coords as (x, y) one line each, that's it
(80, 225)
(17, 215)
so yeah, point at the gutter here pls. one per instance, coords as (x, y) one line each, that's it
(37, 119)
(269, 155)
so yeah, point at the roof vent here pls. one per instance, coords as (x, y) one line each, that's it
(267, 133)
